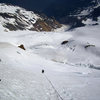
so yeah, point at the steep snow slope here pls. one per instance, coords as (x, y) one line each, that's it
(71, 61)
(21, 78)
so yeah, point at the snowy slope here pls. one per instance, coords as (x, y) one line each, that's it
(13, 11)
(21, 78)
(82, 45)
(71, 61)
(14, 18)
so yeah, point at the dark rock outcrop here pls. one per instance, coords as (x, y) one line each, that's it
(22, 47)
(64, 42)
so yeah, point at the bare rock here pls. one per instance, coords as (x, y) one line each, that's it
(22, 47)
(64, 42)
(89, 46)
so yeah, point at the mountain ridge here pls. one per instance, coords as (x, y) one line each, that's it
(72, 13)
(16, 18)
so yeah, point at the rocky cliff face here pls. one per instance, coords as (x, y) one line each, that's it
(15, 18)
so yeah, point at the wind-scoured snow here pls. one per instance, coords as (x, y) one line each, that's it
(10, 13)
(12, 10)
(71, 62)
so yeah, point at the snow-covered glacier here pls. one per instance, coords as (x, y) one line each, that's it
(70, 60)
(57, 65)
